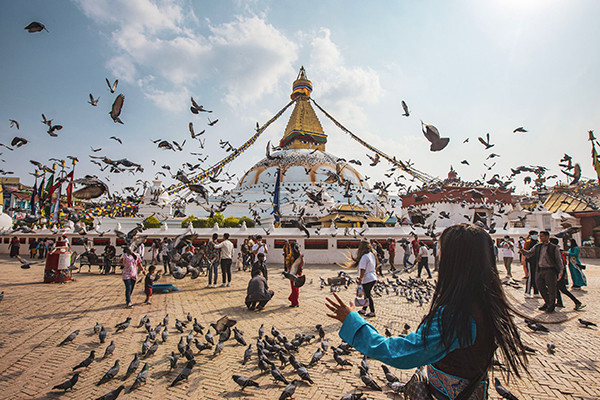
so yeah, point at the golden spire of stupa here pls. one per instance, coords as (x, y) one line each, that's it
(304, 130)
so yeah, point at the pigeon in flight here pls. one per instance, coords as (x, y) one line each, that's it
(405, 108)
(211, 123)
(35, 26)
(112, 87)
(93, 101)
(520, 129)
(115, 112)
(14, 123)
(486, 141)
(195, 108)
(433, 135)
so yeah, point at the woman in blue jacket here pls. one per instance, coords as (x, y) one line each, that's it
(577, 275)
(469, 319)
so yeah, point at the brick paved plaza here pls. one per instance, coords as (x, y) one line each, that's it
(35, 317)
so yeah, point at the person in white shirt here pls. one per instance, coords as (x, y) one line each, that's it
(259, 247)
(366, 262)
(508, 253)
(226, 258)
(423, 257)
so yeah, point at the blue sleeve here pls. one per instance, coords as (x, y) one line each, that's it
(403, 353)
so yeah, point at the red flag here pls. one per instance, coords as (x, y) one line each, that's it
(70, 190)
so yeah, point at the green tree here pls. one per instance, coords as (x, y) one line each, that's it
(231, 222)
(186, 222)
(218, 218)
(249, 222)
(152, 222)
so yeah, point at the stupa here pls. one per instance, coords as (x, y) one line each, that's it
(301, 164)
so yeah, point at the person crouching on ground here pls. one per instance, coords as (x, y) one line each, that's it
(258, 293)
(149, 281)
(468, 320)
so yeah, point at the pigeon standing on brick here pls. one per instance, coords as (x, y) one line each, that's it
(243, 381)
(185, 373)
(503, 391)
(86, 363)
(110, 374)
(289, 390)
(109, 349)
(141, 378)
(113, 394)
(70, 338)
(68, 384)
(102, 335)
(123, 325)
(133, 366)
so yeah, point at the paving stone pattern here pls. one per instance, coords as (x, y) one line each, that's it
(35, 317)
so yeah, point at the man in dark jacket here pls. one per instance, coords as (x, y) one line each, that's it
(258, 294)
(550, 269)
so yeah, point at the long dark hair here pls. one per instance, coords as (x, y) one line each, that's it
(572, 243)
(364, 247)
(468, 281)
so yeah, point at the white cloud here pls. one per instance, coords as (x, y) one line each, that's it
(246, 56)
(344, 86)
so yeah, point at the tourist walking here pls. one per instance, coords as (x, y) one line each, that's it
(212, 258)
(575, 266)
(549, 269)
(366, 262)
(226, 256)
(508, 254)
(405, 259)
(294, 265)
(391, 247)
(562, 285)
(468, 320)
(380, 255)
(14, 247)
(258, 293)
(531, 263)
(423, 260)
(132, 264)
(155, 251)
(107, 257)
(165, 253)
(33, 248)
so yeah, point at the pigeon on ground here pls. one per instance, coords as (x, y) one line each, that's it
(69, 383)
(536, 327)
(141, 377)
(86, 363)
(341, 361)
(247, 354)
(278, 375)
(70, 338)
(261, 331)
(218, 348)
(353, 396)
(109, 349)
(388, 375)
(173, 358)
(111, 373)
(197, 327)
(289, 390)
(369, 382)
(550, 347)
(201, 346)
(133, 366)
(123, 325)
(303, 373)
(209, 338)
(102, 335)
(503, 391)
(151, 350)
(587, 324)
(143, 321)
(185, 373)
(112, 395)
(316, 357)
(96, 329)
(181, 346)
(243, 381)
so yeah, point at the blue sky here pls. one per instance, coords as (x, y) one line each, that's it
(467, 67)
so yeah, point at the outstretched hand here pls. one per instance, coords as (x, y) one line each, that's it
(339, 309)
